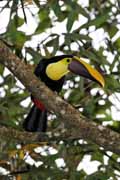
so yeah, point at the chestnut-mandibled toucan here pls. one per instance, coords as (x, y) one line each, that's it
(52, 72)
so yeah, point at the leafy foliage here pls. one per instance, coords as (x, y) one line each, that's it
(65, 27)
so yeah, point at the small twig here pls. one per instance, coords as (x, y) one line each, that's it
(25, 18)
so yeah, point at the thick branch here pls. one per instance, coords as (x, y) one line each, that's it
(81, 127)
(8, 133)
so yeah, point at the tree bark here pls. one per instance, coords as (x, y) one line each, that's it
(80, 126)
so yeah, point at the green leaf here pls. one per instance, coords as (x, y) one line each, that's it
(51, 42)
(43, 25)
(16, 37)
(43, 14)
(56, 8)
(97, 156)
(76, 36)
(97, 176)
(117, 43)
(112, 30)
(1, 69)
(20, 21)
(112, 83)
(36, 56)
(82, 11)
(70, 20)
(98, 21)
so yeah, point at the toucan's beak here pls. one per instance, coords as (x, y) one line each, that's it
(80, 67)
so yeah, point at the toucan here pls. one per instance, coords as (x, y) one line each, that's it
(52, 72)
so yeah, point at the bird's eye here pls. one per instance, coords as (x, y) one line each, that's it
(68, 60)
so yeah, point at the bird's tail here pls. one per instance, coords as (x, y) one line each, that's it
(36, 120)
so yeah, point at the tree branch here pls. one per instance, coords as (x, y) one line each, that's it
(81, 126)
